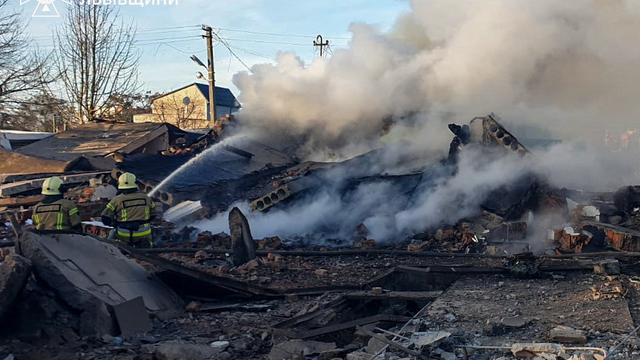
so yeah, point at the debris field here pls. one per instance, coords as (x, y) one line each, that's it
(493, 284)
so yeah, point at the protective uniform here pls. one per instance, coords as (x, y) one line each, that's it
(55, 213)
(130, 213)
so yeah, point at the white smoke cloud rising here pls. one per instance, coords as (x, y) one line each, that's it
(569, 68)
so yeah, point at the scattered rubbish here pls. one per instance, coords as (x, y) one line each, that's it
(296, 349)
(500, 271)
(179, 351)
(429, 338)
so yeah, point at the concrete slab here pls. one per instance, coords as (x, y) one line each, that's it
(83, 270)
(132, 317)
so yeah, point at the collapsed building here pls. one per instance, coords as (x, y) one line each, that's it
(471, 288)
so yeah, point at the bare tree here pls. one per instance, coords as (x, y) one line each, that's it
(22, 70)
(95, 57)
(40, 112)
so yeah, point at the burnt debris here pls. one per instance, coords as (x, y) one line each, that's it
(532, 270)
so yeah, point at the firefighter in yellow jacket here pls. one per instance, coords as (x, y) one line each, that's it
(55, 213)
(130, 213)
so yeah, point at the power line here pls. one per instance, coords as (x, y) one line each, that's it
(175, 48)
(157, 37)
(138, 32)
(171, 27)
(35, 46)
(266, 42)
(157, 40)
(278, 34)
(169, 38)
(252, 53)
(226, 44)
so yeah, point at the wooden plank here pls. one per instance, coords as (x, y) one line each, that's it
(312, 253)
(18, 187)
(353, 324)
(21, 201)
(458, 269)
(393, 295)
(295, 321)
(8, 178)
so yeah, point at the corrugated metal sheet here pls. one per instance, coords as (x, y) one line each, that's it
(92, 140)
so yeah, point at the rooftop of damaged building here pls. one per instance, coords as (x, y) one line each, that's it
(101, 140)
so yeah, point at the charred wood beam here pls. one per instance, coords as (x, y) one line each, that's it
(599, 254)
(21, 201)
(394, 295)
(319, 290)
(551, 265)
(311, 253)
(307, 334)
(548, 265)
(297, 320)
(236, 286)
(359, 252)
(459, 269)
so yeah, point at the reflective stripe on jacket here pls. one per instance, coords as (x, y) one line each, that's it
(60, 215)
(142, 231)
(130, 214)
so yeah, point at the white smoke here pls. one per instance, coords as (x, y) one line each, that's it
(387, 209)
(566, 65)
(568, 68)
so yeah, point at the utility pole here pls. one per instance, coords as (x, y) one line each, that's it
(208, 36)
(319, 43)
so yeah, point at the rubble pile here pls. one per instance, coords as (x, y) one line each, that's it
(496, 283)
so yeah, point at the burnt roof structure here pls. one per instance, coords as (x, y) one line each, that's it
(95, 139)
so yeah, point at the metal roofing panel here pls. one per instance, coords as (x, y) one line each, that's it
(92, 139)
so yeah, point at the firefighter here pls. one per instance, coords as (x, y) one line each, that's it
(55, 213)
(130, 213)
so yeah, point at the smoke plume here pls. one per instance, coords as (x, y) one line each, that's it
(561, 70)
(567, 66)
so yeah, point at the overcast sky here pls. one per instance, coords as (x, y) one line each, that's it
(256, 30)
